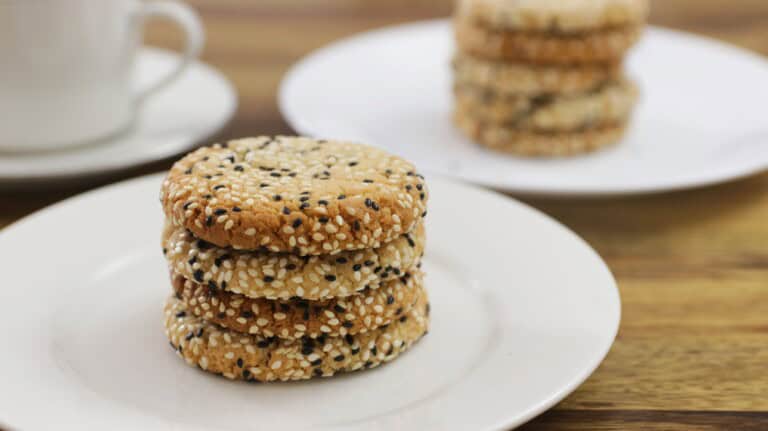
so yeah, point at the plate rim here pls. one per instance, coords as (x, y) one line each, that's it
(670, 184)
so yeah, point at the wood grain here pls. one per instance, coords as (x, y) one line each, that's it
(692, 267)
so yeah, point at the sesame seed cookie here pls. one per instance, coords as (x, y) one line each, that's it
(604, 46)
(610, 104)
(239, 356)
(294, 194)
(532, 80)
(282, 275)
(562, 16)
(297, 318)
(538, 144)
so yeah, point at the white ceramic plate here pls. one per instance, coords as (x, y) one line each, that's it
(701, 119)
(523, 312)
(170, 122)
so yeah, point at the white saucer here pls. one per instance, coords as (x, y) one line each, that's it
(523, 311)
(701, 119)
(172, 121)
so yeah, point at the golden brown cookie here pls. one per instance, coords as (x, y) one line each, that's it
(610, 104)
(538, 144)
(604, 46)
(297, 318)
(532, 80)
(255, 358)
(295, 195)
(282, 275)
(557, 16)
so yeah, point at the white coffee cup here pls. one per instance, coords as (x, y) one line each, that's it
(66, 68)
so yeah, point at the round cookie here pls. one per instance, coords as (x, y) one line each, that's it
(609, 104)
(558, 16)
(538, 144)
(255, 358)
(604, 46)
(298, 318)
(284, 276)
(532, 80)
(293, 194)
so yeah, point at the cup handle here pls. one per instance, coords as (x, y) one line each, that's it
(189, 22)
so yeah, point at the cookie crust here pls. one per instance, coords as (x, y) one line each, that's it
(610, 104)
(255, 358)
(298, 318)
(538, 144)
(294, 194)
(571, 16)
(283, 275)
(604, 46)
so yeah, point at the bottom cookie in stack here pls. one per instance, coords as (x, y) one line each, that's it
(545, 125)
(240, 356)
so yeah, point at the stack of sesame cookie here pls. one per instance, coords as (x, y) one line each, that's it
(545, 77)
(292, 258)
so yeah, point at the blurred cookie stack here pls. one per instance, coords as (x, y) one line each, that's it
(292, 258)
(545, 77)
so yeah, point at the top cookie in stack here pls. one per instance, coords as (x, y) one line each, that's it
(292, 257)
(544, 77)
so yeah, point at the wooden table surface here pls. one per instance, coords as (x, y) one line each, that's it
(692, 267)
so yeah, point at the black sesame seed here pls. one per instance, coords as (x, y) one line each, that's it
(246, 374)
(421, 195)
(408, 187)
(330, 277)
(315, 363)
(374, 351)
(239, 168)
(246, 314)
(349, 339)
(188, 171)
(403, 319)
(292, 174)
(424, 214)
(290, 266)
(275, 174)
(286, 211)
(352, 163)
(193, 260)
(240, 362)
(212, 285)
(398, 311)
(208, 196)
(410, 241)
(368, 263)
(220, 211)
(268, 279)
(181, 314)
(304, 206)
(296, 223)
(207, 177)
(376, 270)
(230, 158)
(198, 275)
(341, 197)
(368, 364)
(390, 299)
(263, 344)
(339, 358)
(367, 181)
(306, 350)
(356, 225)
(368, 202)
(236, 209)
(341, 260)
(396, 271)
(277, 198)
(266, 168)
(219, 187)
(209, 221)
(186, 205)
(203, 245)
(263, 185)
(419, 187)
(322, 202)
(338, 308)
(347, 324)
(199, 333)
(304, 198)
(323, 220)
(357, 267)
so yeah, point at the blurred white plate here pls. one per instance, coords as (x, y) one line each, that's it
(523, 312)
(170, 122)
(702, 118)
